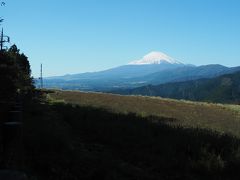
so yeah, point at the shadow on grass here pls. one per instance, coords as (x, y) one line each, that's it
(65, 141)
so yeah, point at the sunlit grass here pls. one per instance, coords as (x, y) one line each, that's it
(219, 117)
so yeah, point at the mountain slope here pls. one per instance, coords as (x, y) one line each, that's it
(120, 77)
(225, 89)
(188, 73)
(124, 72)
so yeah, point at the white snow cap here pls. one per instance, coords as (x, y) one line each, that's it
(155, 58)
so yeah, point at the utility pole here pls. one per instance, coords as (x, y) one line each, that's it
(41, 76)
(4, 39)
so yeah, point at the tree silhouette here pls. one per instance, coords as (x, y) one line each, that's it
(15, 74)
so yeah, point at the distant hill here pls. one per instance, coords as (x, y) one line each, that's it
(224, 89)
(134, 76)
(119, 77)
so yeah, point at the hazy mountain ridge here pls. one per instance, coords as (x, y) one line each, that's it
(132, 76)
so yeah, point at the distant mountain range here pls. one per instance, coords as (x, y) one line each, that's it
(222, 89)
(154, 68)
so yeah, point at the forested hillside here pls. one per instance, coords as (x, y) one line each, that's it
(223, 89)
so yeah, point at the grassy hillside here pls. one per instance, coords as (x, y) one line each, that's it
(69, 142)
(222, 118)
(223, 89)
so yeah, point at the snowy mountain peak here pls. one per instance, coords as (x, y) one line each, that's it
(155, 58)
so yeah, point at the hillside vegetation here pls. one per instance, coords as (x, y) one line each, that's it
(218, 117)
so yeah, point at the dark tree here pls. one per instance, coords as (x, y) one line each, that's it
(15, 74)
(8, 77)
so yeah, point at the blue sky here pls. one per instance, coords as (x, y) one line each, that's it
(73, 36)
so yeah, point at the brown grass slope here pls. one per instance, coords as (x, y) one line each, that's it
(218, 117)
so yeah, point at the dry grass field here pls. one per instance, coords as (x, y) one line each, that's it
(218, 117)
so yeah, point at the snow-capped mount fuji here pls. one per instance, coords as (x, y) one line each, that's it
(155, 57)
(154, 68)
(150, 63)
(125, 76)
